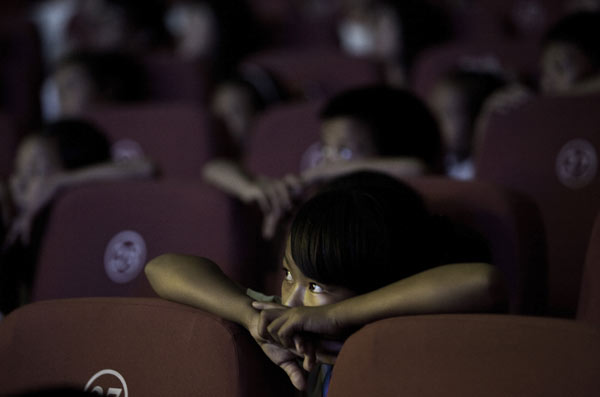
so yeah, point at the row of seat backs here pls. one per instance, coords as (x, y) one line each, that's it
(132, 347)
(547, 148)
(469, 355)
(99, 237)
(150, 347)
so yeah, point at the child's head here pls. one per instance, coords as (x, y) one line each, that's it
(457, 99)
(379, 121)
(85, 78)
(362, 232)
(390, 30)
(238, 99)
(222, 31)
(62, 145)
(108, 25)
(570, 52)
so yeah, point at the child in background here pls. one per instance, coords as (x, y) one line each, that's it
(85, 79)
(569, 65)
(66, 154)
(363, 249)
(391, 33)
(457, 99)
(377, 128)
(570, 61)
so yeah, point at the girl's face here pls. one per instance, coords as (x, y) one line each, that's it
(299, 290)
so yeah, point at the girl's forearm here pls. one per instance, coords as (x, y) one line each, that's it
(465, 287)
(199, 282)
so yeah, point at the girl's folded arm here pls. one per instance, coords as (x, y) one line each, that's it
(199, 282)
(453, 288)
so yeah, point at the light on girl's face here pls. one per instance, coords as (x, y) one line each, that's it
(299, 290)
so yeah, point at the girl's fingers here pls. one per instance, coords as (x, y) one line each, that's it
(266, 305)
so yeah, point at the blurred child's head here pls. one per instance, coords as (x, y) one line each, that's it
(390, 30)
(239, 98)
(570, 52)
(62, 145)
(362, 232)
(222, 31)
(108, 25)
(85, 78)
(379, 121)
(456, 100)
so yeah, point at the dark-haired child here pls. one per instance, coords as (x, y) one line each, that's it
(363, 249)
(377, 128)
(67, 153)
(457, 100)
(570, 58)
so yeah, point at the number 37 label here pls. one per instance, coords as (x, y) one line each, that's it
(107, 383)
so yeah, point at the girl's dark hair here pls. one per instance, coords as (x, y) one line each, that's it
(400, 123)
(364, 231)
(78, 142)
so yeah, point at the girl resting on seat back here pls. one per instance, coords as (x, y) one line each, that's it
(363, 249)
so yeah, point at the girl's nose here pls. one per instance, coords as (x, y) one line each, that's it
(295, 298)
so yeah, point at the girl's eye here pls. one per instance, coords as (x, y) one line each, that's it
(317, 289)
(288, 275)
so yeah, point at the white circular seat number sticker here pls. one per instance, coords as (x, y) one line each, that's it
(576, 164)
(125, 256)
(108, 383)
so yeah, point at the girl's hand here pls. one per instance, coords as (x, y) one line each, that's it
(285, 358)
(304, 329)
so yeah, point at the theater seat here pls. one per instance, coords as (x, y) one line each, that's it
(588, 309)
(509, 222)
(469, 356)
(172, 79)
(99, 237)
(314, 73)
(281, 137)
(548, 149)
(177, 136)
(132, 347)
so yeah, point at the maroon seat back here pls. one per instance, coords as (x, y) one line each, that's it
(509, 222)
(99, 237)
(172, 79)
(281, 137)
(469, 356)
(178, 137)
(588, 309)
(497, 56)
(315, 73)
(548, 149)
(131, 347)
